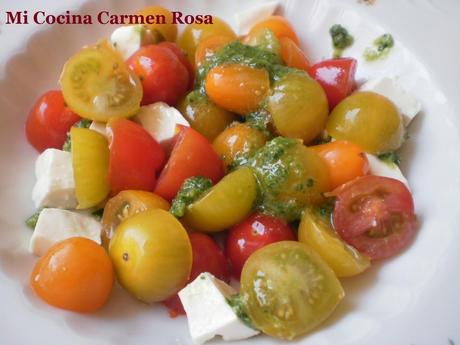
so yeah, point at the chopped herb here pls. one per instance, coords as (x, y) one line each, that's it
(238, 305)
(192, 189)
(390, 157)
(326, 208)
(381, 47)
(265, 39)
(98, 213)
(31, 222)
(259, 120)
(341, 39)
(83, 123)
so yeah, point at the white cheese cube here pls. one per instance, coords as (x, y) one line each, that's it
(55, 186)
(407, 104)
(55, 225)
(161, 120)
(127, 39)
(246, 19)
(99, 127)
(379, 167)
(208, 312)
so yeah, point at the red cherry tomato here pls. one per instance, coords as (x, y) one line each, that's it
(253, 233)
(192, 155)
(207, 257)
(164, 78)
(135, 157)
(49, 121)
(375, 215)
(337, 77)
(182, 58)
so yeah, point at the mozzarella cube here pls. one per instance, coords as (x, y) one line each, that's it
(379, 167)
(127, 39)
(406, 103)
(99, 127)
(55, 225)
(161, 121)
(55, 186)
(208, 312)
(246, 19)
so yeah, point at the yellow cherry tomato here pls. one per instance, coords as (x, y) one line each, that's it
(152, 255)
(90, 159)
(125, 204)
(169, 29)
(316, 231)
(225, 204)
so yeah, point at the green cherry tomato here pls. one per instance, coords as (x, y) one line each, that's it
(288, 289)
(369, 120)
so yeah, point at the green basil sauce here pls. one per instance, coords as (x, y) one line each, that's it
(391, 157)
(238, 304)
(381, 47)
(31, 222)
(192, 189)
(83, 123)
(341, 39)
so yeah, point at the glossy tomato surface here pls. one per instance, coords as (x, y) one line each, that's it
(135, 157)
(375, 215)
(49, 121)
(192, 155)
(253, 233)
(182, 58)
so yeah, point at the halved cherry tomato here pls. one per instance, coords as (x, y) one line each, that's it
(375, 215)
(192, 155)
(164, 77)
(49, 121)
(279, 26)
(207, 257)
(90, 160)
(237, 88)
(135, 157)
(344, 160)
(292, 55)
(225, 204)
(169, 29)
(337, 77)
(125, 204)
(253, 233)
(75, 274)
(182, 58)
(97, 84)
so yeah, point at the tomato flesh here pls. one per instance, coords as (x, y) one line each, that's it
(49, 121)
(192, 155)
(375, 215)
(337, 77)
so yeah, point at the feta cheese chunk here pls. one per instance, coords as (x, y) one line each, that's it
(127, 39)
(55, 225)
(99, 127)
(379, 167)
(208, 312)
(406, 103)
(55, 186)
(161, 120)
(246, 19)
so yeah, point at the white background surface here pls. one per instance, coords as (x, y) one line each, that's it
(412, 299)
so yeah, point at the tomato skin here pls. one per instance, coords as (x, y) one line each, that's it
(164, 77)
(209, 46)
(182, 58)
(337, 77)
(135, 157)
(256, 231)
(168, 29)
(207, 257)
(49, 121)
(375, 215)
(292, 55)
(345, 161)
(192, 155)
(279, 26)
(75, 274)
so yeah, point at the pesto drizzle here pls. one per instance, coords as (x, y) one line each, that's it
(341, 39)
(192, 189)
(238, 304)
(83, 123)
(381, 47)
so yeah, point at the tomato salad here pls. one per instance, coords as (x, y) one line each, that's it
(175, 164)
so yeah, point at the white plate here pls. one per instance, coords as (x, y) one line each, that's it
(411, 299)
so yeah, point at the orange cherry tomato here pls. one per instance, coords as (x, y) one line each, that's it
(292, 55)
(279, 26)
(345, 161)
(237, 88)
(169, 29)
(75, 274)
(209, 46)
